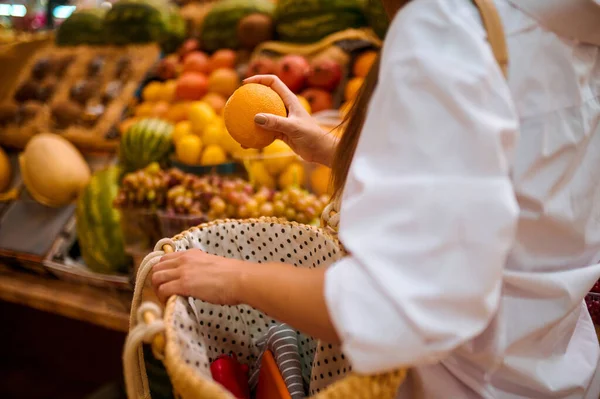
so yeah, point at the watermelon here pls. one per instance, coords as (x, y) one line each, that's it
(144, 21)
(98, 225)
(219, 29)
(308, 21)
(146, 141)
(377, 17)
(82, 27)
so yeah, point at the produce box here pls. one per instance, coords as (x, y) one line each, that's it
(79, 92)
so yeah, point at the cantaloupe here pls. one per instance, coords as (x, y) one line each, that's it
(53, 170)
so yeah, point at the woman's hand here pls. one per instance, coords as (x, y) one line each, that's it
(194, 273)
(299, 130)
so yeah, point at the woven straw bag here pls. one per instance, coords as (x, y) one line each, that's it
(192, 333)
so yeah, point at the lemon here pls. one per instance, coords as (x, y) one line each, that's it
(153, 91)
(259, 176)
(305, 104)
(229, 144)
(213, 155)
(188, 149)
(144, 109)
(244, 153)
(292, 176)
(278, 155)
(212, 134)
(201, 115)
(167, 92)
(181, 130)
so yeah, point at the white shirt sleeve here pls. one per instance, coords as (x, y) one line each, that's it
(429, 211)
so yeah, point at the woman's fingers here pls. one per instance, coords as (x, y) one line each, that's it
(164, 276)
(276, 123)
(166, 264)
(289, 98)
(164, 291)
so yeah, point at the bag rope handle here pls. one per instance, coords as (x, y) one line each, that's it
(145, 326)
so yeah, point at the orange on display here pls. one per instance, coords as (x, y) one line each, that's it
(243, 105)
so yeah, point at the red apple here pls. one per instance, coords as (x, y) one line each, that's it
(261, 66)
(187, 47)
(318, 99)
(292, 70)
(324, 74)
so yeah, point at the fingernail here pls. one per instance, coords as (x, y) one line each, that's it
(260, 119)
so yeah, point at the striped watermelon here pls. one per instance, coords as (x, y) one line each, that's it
(219, 29)
(147, 141)
(145, 21)
(377, 17)
(82, 27)
(308, 21)
(98, 225)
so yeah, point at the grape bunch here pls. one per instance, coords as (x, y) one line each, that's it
(214, 197)
(593, 305)
(145, 188)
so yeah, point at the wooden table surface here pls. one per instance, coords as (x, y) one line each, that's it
(108, 308)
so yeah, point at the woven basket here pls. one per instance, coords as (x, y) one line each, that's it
(192, 333)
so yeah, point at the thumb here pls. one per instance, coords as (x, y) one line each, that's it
(275, 123)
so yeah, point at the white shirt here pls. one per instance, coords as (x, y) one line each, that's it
(472, 211)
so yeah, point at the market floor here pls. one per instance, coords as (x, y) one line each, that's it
(44, 356)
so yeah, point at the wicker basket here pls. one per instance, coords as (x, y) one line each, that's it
(181, 337)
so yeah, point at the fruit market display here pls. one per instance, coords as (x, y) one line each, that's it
(237, 23)
(98, 224)
(77, 92)
(84, 26)
(53, 171)
(309, 21)
(145, 21)
(145, 142)
(211, 197)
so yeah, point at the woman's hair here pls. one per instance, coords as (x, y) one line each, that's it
(353, 123)
(352, 126)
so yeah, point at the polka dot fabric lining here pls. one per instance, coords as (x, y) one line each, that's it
(205, 331)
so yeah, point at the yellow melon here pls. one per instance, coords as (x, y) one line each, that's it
(5, 171)
(53, 170)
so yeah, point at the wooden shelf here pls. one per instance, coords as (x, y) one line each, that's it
(103, 307)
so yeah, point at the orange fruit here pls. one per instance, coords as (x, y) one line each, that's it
(161, 109)
(320, 179)
(144, 109)
(352, 88)
(363, 63)
(305, 104)
(179, 112)
(216, 101)
(197, 62)
(224, 58)
(152, 91)
(223, 81)
(168, 90)
(242, 107)
(191, 86)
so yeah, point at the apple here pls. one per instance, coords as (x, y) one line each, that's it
(187, 47)
(292, 70)
(318, 99)
(260, 66)
(324, 74)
